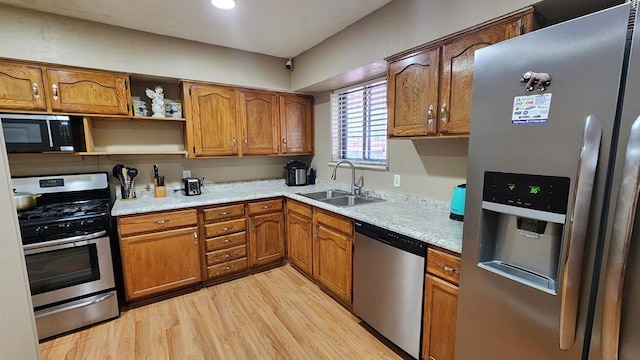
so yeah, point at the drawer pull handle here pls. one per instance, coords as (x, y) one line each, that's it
(432, 358)
(195, 237)
(227, 212)
(448, 268)
(226, 240)
(227, 228)
(226, 256)
(226, 268)
(266, 206)
(163, 221)
(54, 88)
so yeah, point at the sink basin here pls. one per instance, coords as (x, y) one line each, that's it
(350, 200)
(327, 194)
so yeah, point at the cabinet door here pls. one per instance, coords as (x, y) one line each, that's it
(439, 333)
(215, 120)
(332, 261)
(266, 238)
(299, 241)
(88, 92)
(412, 95)
(21, 87)
(296, 124)
(454, 113)
(157, 262)
(259, 115)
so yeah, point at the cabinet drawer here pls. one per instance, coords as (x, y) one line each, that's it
(300, 208)
(262, 207)
(332, 220)
(443, 265)
(156, 221)
(223, 255)
(227, 268)
(223, 212)
(226, 241)
(224, 227)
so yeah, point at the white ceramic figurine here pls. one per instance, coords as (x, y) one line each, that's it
(157, 105)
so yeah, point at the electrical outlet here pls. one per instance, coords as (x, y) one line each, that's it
(186, 174)
(396, 180)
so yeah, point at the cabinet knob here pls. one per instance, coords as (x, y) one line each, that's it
(36, 94)
(233, 142)
(443, 115)
(195, 237)
(163, 221)
(430, 114)
(246, 142)
(266, 206)
(284, 141)
(54, 88)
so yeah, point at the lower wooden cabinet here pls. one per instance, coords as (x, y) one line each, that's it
(266, 234)
(225, 248)
(299, 235)
(332, 253)
(440, 305)
(157, 262)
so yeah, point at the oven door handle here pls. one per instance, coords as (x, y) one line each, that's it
(65, 240)
(76, 306)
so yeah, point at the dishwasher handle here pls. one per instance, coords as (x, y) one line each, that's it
(391, 238)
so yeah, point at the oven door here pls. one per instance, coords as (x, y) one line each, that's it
(68, 268)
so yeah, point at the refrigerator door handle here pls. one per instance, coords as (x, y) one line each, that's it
(577, 231)
(623, 219)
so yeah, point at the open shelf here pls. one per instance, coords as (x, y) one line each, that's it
(99, 153)
(135, 118)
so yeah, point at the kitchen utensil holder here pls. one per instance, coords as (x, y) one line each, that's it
(160, 191)
(128, 191)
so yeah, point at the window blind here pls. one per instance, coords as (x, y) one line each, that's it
(359, 117)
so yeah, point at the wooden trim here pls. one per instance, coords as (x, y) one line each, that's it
(438, 42)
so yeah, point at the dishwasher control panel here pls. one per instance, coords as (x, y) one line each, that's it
(394, 239)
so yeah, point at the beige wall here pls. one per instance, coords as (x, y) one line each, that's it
(18, 339)
(356, 52)
(36, 36)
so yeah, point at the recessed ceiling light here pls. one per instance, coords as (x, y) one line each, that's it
(223, 4)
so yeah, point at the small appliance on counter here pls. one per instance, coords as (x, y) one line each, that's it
(296, 173)
(192, 186)
(457, 202)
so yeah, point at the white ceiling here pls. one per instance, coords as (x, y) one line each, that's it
(281, 28)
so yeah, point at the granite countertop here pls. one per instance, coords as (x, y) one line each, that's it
(418, 217)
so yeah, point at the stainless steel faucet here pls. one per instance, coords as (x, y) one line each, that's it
(355, 189)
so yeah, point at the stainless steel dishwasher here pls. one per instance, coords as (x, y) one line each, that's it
(388, 284)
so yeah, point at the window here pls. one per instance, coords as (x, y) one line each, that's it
(359, 115)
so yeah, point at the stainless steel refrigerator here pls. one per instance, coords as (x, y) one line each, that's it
(550, 254)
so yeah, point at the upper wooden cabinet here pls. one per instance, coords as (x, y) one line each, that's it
(296, 124)
(31, 87)
(231, 121)
(412, 91)
(212, 120)
(21, 87)
(429, 89)
(259, 122)
(90, 92)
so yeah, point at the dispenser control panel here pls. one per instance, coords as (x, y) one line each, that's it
(538, 192)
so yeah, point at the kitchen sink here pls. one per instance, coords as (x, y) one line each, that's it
(327, 194)
(340, 198)
(351, 200)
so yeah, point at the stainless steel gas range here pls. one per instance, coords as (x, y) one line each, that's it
(68, 252)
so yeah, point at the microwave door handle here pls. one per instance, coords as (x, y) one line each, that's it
(623, 219)
(49, 132)
(577, 231)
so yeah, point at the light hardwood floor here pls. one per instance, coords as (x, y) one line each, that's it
(277, 314)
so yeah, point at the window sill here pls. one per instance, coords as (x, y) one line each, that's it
(362, 166)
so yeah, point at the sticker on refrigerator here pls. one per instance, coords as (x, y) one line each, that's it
(531, 109)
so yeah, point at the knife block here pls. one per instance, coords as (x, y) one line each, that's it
(159, 191)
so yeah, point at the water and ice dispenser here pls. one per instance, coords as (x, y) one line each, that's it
(523, 218)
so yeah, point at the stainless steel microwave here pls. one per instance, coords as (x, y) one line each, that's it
(25, 133)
